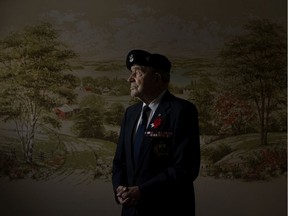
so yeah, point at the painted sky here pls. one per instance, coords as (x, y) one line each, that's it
(110, 28)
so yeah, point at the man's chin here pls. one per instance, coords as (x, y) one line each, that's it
(134, 93)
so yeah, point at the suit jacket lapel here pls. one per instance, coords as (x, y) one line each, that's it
(161, 112)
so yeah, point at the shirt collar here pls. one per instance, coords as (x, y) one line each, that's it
(154, 104)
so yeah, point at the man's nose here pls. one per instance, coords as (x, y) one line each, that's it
(130, 78)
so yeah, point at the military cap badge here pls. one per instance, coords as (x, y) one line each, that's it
(131, 58)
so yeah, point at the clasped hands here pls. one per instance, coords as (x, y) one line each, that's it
(128, 196)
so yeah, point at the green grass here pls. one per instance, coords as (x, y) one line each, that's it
(243, 157)
(96, 155)
(80, 160)
(250, 141)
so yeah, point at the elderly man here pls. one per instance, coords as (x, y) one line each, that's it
(158, 153)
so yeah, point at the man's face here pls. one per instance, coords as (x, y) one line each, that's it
(142, 81)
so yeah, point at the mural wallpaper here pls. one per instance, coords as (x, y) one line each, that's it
(63, 92)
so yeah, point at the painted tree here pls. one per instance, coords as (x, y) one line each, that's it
(203, 95)
(254, 67)
(89, 122)
(33, 66)
(232, 113)
(204, 100)
(114, 114)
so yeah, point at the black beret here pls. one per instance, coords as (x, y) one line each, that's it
(144, 58)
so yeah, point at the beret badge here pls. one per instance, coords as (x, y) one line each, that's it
(131, 58)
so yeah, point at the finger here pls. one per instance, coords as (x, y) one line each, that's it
(121, 191)
(120, 188)
(127, 201)
(124, 201)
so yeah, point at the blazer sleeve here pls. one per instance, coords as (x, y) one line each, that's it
(119, 172)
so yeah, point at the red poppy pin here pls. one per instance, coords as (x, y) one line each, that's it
(157, 122)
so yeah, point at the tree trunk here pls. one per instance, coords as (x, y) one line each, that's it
(29, 152)
(263, 136)
(29, 147)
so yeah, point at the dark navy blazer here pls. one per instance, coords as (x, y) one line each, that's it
(169, 159)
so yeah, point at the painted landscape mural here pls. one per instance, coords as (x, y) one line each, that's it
(61, 106)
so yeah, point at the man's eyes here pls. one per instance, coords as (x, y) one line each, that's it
(137, 73)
